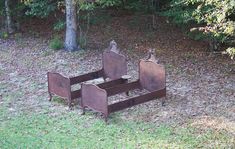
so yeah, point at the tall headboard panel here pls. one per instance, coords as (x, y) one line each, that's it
(152, 75)
(58, 84)
(114, 63)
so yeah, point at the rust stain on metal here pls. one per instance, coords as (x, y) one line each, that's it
(114, 67)
(152, 77)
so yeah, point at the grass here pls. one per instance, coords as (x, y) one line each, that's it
(47, 53)
(71, 130)
(28, 120)
(49, 127)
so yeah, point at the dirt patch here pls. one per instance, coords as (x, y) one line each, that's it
(217, 123)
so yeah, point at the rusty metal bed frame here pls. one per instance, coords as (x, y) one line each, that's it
(114, 67)
(151, 77)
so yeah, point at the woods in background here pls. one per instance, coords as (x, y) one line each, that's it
(211, 20)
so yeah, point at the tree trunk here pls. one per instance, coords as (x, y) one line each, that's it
(9, 25)
(71, 26)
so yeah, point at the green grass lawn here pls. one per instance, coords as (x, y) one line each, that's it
(50, 125)
(71, 130)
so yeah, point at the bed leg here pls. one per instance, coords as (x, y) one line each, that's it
(83, 111)
(70, 103)
(50, 96)
(106, 119)
(127, 93)
(164, 101)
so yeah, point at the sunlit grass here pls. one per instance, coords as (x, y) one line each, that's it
(52, 128)
(71, 130)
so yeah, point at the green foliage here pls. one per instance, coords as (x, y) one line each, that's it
(58, 26)
(86, 6)
(3, 35)
(215, 17)
(56, 43)
(109, 3)
(1, 8)
(82, 41)
(40, 8)
(135, 5)
(231, 52)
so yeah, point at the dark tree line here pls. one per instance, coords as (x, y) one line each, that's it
(214, 19)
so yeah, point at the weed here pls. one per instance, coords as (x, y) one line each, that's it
(47, 53)
(4, 35)
(56, 43)
(82, 41)
(58, 100)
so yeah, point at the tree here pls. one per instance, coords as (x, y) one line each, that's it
(213, 20)
(42, 9)
(71, 25)
(9, 23)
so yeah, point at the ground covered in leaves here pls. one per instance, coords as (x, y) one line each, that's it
(200, 106)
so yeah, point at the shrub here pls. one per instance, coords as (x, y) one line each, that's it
(3, 35)
(39, 8)
(56, 43)
(58, 26)
(214, 18)
(231, 52)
